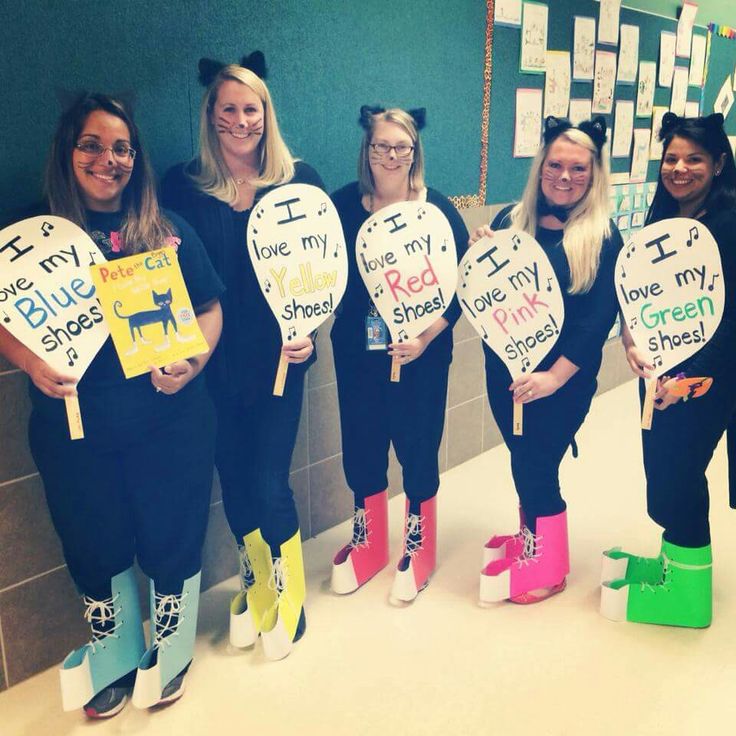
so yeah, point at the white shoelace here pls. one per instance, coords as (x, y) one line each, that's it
(414, 537)
(246, 568)
(532, 547)
(100, 613)
(167, 617)
(360, 529)
(279, 574)
(667, 566)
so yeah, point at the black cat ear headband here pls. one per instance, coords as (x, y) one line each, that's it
(418, 115)
(209, 68)
(671, 122)
(595, 129)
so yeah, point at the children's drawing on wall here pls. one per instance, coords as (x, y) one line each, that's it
(528, 124)
(608, 18)
(603, 84)
(655, 147)
(584, 49)
(580, 110)
(697, 61)
(685, 29)
(640, 155)
(557, 84)
(679, 91)
(667, 41)
(533, 37)
(623, 129)
(645, 88)
(628, 55)
(507, 13)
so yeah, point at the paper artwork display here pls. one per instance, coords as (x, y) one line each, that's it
(510, 295)
(47, 297)
(645, 88)
(583, 60)
(685, 28)
(692, 109)
(640, 155)
(528, 122)
(697, 61)
(507, 13)
(557, 84)
(580, 110)
(667, 41)
(608, 20)
(623, 129)
(628, 54)
(679, 90)
(147, 307)
(670, 288)
(655, 146)
(297, 248)
(724, 100)
(603, 84)
(407, 258)
(533, 37)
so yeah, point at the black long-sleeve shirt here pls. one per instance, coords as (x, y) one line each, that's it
(588, 316)
(348, 332)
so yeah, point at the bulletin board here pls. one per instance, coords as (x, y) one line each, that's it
(507, 175)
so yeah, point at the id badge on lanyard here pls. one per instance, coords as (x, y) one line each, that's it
(376, 332)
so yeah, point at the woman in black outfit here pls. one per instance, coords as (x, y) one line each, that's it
(242, 157)
(375, 412)
(697, 179)
(565, 207)
(138, 485)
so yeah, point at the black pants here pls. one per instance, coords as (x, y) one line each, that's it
(375, 412)
(550, 425)
(677, 451)
(254, 448)
(126, 492)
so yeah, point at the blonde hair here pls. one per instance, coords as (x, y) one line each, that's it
(210, 173)
(588, 224)
(406, 122)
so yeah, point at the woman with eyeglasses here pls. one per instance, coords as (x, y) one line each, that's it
(375, 412)
(242, 157)
(697, 179)
(138, 485)
(565, 208)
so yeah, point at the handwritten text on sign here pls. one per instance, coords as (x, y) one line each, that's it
(407, 258)
(297, 248)
(47, 298)
(669, 284)
(509, 292)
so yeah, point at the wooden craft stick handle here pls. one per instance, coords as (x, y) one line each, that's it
(518, 419)
(647, 411)
(74, 417)
(395, 370)
(280, 382)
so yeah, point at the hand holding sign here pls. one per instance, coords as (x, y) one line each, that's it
(48, 299)
(407, 258)
(297, 249)
(670, 288)
(511, 296)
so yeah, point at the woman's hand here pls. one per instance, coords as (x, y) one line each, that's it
(637, 361)
(173, 377)
(47, 380)
(534, 386)
(405, 352)
(662, 397)
(484, 231)
(298, 350)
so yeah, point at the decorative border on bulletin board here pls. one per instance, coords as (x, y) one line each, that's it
(722, 31)
(464, 201)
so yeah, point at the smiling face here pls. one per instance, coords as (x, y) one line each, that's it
(567, 173)
(687, 173)
(390, 167)
(101, 179)
(237, 117)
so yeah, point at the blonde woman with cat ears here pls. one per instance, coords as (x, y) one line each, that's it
(242, 157)
(137, 487)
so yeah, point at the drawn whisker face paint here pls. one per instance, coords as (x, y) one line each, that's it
(239, 130)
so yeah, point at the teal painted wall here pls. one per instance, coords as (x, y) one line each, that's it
(709, 11)
(325, 59)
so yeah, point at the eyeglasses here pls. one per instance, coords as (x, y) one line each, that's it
(121, 151)
(402, 150)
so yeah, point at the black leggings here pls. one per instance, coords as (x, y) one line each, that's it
(255, 443)
(550, 425)
(375, 412)
(677, 451)
(126, 493)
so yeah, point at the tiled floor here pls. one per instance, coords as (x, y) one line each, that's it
(443, 665)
